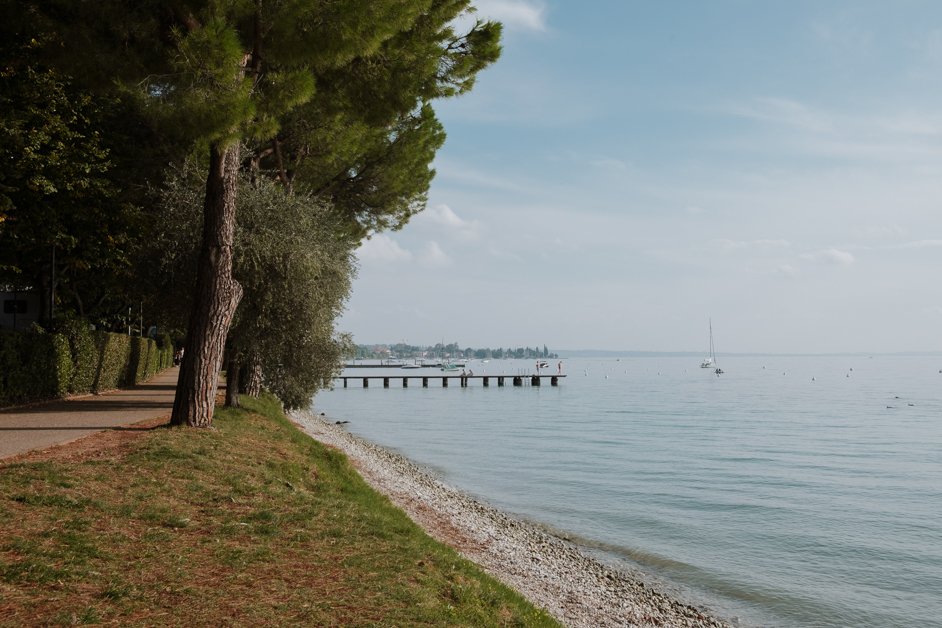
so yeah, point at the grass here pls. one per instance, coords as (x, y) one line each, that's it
(249, 523)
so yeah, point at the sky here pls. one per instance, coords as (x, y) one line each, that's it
(629, 171)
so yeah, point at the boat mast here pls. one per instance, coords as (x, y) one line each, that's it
(712, 352)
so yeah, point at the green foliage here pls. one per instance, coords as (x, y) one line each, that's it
(56, 194)
(64, 367)
(330, 98)
(82, 352)
(451, 350)
(114, 353)
(366, 139)
(139, 359)
(34, 365)
(37, 365)
(210, 93)
(295, 270)
(297, 276)
(376, 177)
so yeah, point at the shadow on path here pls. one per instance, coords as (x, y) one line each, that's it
(46, 424)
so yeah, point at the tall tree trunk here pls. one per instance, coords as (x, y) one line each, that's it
(253, 380)
(217, 294)
(232, 382)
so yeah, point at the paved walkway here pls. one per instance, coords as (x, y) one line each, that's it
(43, 425)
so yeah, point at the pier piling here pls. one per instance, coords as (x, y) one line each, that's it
(464, 381)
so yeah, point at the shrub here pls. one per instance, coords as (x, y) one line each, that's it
(83, 352)
(145, 359)
(39, 365)
(114, 361)
(34, 365)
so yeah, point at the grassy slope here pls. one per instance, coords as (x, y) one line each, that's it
(250, 523)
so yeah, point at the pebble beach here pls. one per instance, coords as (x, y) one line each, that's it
(551, 572)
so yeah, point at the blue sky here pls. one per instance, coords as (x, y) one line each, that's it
(630, 169)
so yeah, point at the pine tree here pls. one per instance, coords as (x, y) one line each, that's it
(241, 70)
(229, 75)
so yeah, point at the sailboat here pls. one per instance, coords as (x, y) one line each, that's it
(710, 362)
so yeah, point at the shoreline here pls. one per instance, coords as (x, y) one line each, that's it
(551, 572)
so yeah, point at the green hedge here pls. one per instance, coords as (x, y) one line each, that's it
(38, 365)
(83, 352)
(33, 365)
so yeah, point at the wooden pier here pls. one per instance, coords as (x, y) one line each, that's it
(463, 380)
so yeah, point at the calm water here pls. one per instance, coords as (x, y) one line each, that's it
(791, 491)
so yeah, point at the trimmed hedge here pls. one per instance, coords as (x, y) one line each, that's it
(33, 365)
(37, 365)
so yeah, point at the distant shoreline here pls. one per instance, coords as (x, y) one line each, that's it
(551, 572)
(601, 353)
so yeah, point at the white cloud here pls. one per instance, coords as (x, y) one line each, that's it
(433, 255)
(787, 270)
(445, 216)
(844, 36)
(922, 244)
(382, 248)
(440, 220)
(515, 14)
(782, 111)
(882, 232)
(899, 136)
(729, 245)
(503, 256)
(467, 175)
(931, 47)
(772, 244)
(830, 256)
(908, 123)
(610, 164)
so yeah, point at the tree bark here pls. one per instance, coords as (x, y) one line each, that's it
(217, 294)
(253, 382)
(232, 383)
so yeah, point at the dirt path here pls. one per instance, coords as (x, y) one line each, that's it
(46, 424)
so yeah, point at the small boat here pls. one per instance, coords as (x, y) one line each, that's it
(710, 362)
(412, 366)
(716, 369)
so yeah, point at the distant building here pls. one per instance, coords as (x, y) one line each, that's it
(20, 309)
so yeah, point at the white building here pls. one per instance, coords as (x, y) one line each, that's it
(19, 309)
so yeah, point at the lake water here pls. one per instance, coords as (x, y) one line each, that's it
(790, 491)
